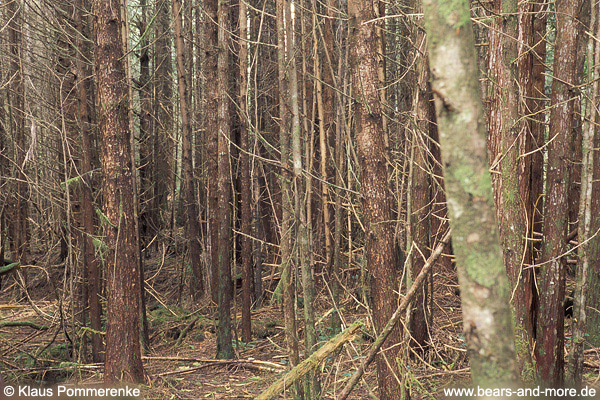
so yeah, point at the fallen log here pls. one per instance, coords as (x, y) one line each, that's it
(28, 324)
(310, 363)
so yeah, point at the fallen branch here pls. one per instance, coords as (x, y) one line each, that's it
(310, 363)
(265, 365)
(243, 363)
(410, 294)
(9, 267)
(8, 324)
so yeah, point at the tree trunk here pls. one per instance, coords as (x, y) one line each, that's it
(245, 183)
(18, 221)
(187, 167)
(421, 197)
(224, 341)
(212, 127)
(311, 389)
(511, 208)
(91, 264)
(381, 256)
(163, 165)
(538, 122)
(549, 350)
(587, 213)
(485, 291)
(287, 202)
(123, 354)
(148, 217)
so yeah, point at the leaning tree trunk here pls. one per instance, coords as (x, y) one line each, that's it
(123, 353)
(381, 249)
(484, 287)
(549, 350)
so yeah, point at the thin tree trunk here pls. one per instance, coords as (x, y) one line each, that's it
(421, 202)
(19, 225)
(285, 245)
(92, 267)
(538, 122)
(148, 218)
(549, 349)
(123, 354)
(164, 162)
(212, 127)
(193, 225)
(245, 183)
(485, 291)
(586, 215)
(224, 340)
(311, 389)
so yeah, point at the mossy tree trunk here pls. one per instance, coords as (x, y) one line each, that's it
(484, 286)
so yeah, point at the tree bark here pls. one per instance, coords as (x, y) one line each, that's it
(19, 226)
(224, 340)
(287, 200)
(485, 291)
(163, 165)
(381, 256)
(212, 127)
(587, 213)
(193, 224)
(511, 207)
(549, 350)
(245, 183)
(123, 354)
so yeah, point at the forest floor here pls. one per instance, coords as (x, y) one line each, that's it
(183, 366)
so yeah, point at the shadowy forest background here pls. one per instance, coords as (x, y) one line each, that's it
(199, 195)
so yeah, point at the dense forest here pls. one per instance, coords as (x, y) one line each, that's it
(300, 198)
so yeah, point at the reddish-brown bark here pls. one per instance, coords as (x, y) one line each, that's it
(549, 350)
(377, 213)
(123, 355)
